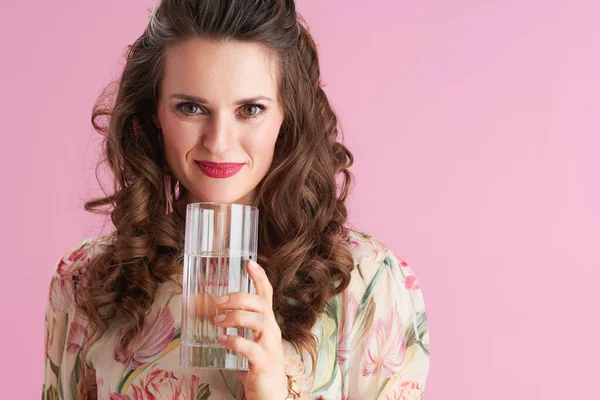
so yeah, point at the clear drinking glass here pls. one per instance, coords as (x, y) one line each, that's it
(219, 238)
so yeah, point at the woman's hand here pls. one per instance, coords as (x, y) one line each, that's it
(266, 377)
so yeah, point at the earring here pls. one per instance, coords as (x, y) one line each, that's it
(168, 193)
(166, 181)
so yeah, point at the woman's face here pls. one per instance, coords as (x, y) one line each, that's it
(218, 104)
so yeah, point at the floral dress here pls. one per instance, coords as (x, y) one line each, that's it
(372, 340)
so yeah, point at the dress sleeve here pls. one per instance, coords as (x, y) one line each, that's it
(65, 376)
(384, 348)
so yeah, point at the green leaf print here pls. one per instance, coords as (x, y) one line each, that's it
(364, 320)
(327, 366)
(60, 390)
(366, 307)
(74, 379)
(382, 386)
(369, 292)
(125, 374)
(203, 392)
(332, 308)
(51, 394)
(422, 328)
(55, 368)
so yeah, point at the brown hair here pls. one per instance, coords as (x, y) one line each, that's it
(302, 212)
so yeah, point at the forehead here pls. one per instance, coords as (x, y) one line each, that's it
(219, 70)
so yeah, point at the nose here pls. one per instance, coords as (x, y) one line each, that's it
(218, 135)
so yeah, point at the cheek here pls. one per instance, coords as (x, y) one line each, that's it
(261, 152)
(261, 147)
(178, 139)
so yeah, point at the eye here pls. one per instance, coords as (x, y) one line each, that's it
(249, 111)
(187, 108)
(255, 110)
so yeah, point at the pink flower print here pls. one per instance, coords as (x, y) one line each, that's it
(217, 275)
(155, 336)
(61, 295)
(79, 254)
(99, 384)
(385, 346)
(411, 283)
(77, 337)
(190, 387)
(87, 386)
(366, 247)
(410, 280)
(345, 329)
(70, 262)
(405, 391)
(161, 385)
(354, 243)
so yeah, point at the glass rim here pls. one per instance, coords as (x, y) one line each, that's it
(227, 205)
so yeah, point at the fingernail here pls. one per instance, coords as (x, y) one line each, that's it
(221, 300)
(253, 264)
(220, 317)
(222, 338)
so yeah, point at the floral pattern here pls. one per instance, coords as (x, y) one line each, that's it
(372, 340)
(382, 354)
(160, 384)
(156, 335)
(61, 294)
(78, 335)
(406, 390)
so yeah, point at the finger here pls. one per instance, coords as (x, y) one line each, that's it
(249, 349)
(260, 279)
(246, 319)
(243, 301)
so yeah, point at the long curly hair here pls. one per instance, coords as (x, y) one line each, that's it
(302, 225)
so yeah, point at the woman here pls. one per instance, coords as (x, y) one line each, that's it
(336, 311)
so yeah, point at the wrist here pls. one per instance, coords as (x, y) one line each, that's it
(280, 391)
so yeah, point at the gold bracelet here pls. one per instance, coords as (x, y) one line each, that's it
(293, 389)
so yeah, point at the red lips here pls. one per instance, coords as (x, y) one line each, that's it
(219, 170)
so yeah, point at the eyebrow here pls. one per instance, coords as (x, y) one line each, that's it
(201, 100)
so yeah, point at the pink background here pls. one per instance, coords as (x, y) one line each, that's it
(475, 129)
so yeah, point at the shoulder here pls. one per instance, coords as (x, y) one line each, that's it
(374, 261)
(76, 259)
(70, 271)
(379, 321)
(384, 291)
(382, 330)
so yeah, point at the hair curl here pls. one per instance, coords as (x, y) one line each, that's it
(302, 210)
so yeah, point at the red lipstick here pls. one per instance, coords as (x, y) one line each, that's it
(219, 170)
